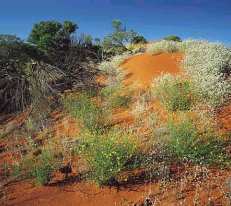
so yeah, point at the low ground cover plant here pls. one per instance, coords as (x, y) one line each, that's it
(188, 143)
(107, 154)
(39, 167)
(115, 96)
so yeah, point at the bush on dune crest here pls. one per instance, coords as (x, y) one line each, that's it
(163, 46)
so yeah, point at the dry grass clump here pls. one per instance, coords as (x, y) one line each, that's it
(136, 48)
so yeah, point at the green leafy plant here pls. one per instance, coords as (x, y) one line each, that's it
(190, 144)
(83, 108)
(52, 34)
(174, 93)
(107, 154)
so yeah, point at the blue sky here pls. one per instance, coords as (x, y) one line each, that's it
(203, 19)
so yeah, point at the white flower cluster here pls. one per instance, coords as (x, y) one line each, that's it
(205, 63)
(163, 46)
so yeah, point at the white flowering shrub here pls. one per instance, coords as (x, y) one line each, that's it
(206, 63)
(112, 69)
(111, 66)
(163, 46)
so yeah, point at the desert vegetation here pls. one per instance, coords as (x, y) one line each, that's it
(161, 134)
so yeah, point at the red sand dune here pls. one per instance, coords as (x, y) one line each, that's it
(141, 69)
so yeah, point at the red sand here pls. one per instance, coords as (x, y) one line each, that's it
(141, 69)
(224, 118)
(86, 194)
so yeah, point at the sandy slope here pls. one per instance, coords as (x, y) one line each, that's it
(141, 70)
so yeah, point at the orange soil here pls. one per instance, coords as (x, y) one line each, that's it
(86, 194)
(224, 118)
(142, 69)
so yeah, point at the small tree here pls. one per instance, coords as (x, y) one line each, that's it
(173, 38)
(115, 42)
(49, 35)
(138, 39)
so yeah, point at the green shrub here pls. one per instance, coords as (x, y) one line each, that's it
(173, 38)
(121, 101)
(84, 109)
(188, 143)
(174, 93)
(107, 154)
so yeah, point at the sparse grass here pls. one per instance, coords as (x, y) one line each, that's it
(113, 98)
(174, 93)
(41, 167)
(82, 107)
(107, 154)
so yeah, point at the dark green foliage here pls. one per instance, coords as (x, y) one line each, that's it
(49, 35)
(138, 40)
(173, 38)
(20, 63)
